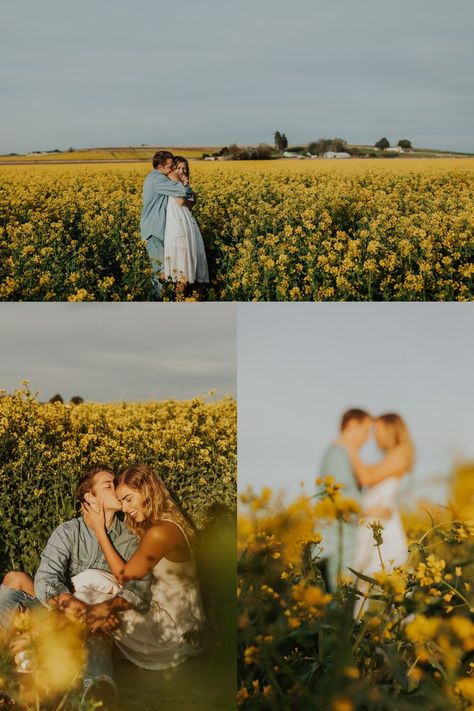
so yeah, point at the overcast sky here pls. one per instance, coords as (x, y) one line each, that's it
(117, 72)
(302, 365)
(115, 352)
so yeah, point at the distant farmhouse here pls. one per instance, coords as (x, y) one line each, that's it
(336, 154)
(289, 154)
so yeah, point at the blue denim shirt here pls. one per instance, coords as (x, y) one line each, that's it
(157, 188)
(73, 547)
(337, 463)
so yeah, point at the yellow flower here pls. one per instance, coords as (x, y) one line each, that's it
(342, 704)
(250, 655)
(431, 571)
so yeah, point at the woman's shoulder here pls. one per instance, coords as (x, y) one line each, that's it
(163, 530)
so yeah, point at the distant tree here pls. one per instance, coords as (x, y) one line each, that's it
(76, 400)
(234, 151)
(260, 152)
(383, 144)
(405, 143)
(223, 151)
(317, 148)
(337, 145)
(281, 141)
(56, 398)
(71, 150)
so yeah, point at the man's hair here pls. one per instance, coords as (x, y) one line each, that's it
(161, 157)
(86, 480)
(353, 414)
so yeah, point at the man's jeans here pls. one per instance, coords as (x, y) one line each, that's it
(99, 647)
(156, 252)
(12, 601)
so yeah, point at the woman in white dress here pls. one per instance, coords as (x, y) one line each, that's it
(381, 482)
(173, 628)
(184, 251)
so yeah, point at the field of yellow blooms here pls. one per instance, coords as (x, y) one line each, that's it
(300, 647)
(278, 230)
(44, 447)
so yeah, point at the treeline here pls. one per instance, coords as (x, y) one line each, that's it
(234, 152)
(75, 400)
(315, 148)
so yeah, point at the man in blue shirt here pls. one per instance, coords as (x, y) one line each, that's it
(71, 549)
(354, 432)
(157, 188)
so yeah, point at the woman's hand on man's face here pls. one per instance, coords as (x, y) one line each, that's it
(94, 518)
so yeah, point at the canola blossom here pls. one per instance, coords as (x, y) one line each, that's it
(300, 646)
(279, 230)
(42, 658)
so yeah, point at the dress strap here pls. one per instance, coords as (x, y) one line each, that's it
(182, 531)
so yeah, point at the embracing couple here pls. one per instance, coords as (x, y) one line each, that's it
(172, 237)
(373, 486)
(134, 582)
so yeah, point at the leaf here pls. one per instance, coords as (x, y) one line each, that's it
(367, 578)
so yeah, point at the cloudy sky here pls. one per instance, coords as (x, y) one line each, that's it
(212, 72)
(114, 352)
(302, 365)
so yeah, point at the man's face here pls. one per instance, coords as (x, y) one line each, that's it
(363, 430)
(103, 493)
(167, 167)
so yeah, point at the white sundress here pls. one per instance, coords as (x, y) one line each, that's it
(172, 630)
(184, 251)
(394, 549)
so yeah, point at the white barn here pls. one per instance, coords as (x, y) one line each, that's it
(334, 154)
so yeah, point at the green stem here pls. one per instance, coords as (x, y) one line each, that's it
(340, 547)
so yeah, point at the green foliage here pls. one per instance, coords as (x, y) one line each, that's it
(383, 143)
(409, 646)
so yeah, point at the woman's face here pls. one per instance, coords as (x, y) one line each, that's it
(131, 501)
(181, 169)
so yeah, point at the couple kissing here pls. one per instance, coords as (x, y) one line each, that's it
(134, 582)
(374, 487)
(171, 234)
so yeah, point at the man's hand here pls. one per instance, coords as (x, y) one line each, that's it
(69, 605)
(103, 615)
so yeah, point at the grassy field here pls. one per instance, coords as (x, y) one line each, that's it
(139, 153)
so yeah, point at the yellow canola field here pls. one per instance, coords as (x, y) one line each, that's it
(274, 230)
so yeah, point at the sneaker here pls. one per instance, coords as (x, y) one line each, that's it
(100, 689)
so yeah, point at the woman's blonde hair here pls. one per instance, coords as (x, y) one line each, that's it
(398, 435)
(156, 500)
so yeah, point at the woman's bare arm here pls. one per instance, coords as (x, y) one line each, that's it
(157, 542)
(394, 464)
